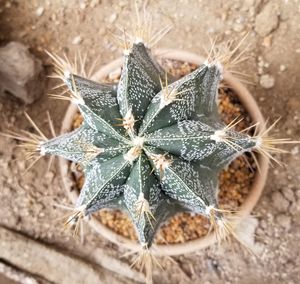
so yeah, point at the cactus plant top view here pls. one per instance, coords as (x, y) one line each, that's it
(147, 145)
(151, 145)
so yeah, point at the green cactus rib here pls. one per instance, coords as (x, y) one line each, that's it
(151, 146)
(190, 184)
(99, 105)
(139, 83)
(85, 144)
(104, 181)
(192, 140)
(142, 197)
(194, 95)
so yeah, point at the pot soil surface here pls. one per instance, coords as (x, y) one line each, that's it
(234, 182)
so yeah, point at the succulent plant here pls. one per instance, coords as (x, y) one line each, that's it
(151, 145)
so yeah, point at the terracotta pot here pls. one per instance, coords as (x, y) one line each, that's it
(190, 246)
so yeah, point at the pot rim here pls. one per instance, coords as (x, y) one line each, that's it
(245, 209)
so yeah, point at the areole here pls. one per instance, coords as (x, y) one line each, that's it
(256, 189)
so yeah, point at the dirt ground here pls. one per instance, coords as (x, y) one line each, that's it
(66, 26)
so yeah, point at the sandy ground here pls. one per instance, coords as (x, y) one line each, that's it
(66, 26)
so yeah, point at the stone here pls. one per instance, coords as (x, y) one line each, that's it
(267, 20)
(284, 221)
(267, 41)
(50, 264)
(284, 11)
(282, 68)
(21, 74)
(13, 275)
(82, 5)
(77, 40)
(267, 81)
(295, 150)
(49, 176)
(40, 11)
(261, 63)
(289, 194)
(247, 5)
(238, 27)
(112, 18)
(246, 231)
(280, 202)
(94, 3)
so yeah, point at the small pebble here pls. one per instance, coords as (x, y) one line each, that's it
(267, 81)
(122, 3)
(82, 5)
(22, 75)
(267, 41)
(112, 18)
(295, 150)
(279, 201)
(77, 40)
(238, 27)
(247, 4)
(289, 194)
(251, 14)
(267, 20)
(224, 16)
(260, 63)
(282, 68)
(49, 176)
(53, 17)
(94, 3)
(284, 221)
(39, 11)
(298, 193)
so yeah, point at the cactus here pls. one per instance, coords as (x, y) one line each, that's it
(150, 145)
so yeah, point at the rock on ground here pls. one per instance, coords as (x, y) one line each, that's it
(284, 221)
(267, 81)
(267, 20)
(279, 202)
(21, 74)
(53, 265)
(11, 275)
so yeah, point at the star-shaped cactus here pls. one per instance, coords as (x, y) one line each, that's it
(150, 145)
(147, 145)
